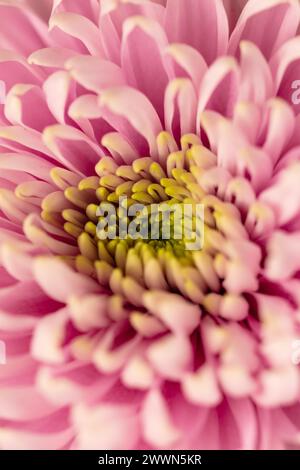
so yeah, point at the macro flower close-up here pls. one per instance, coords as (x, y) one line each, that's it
(123, 342)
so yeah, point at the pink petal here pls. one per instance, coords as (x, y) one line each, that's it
(16, 261)
(51, 57)
(142, 35)
(81, 28)
(179, 315)
(187, 62)
(182, 25)
(113, 15)
(256, 79)
(25, 105)
(283, 259)
(278, 387)
(89, 312)
(280, 124)
(63, 282)
(133, 106)
(236, 380)
(105, 427)
(285, 66)
(158, 429)
(16, 439)
(170, 356)
(180, 107)
(267, 23)
(57, 89)
(23, 403)
(220, 87)
(20, 139)
(72, 148)
(14, 69)
(23, 162)
(49, 336)
(119, 147)
(285, 186)
(94, 73)
(201, 387)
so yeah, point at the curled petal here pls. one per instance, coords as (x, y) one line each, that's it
(256, 79)
(93, 73)
(170, 356)
(220, 82)
(180, 96)
(187, 62)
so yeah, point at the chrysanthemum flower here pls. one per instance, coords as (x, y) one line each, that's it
(123, 344)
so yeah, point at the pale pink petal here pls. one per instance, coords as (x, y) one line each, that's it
(106, 427)
(72, 148)
(57, 90)
(170, 356)
(9, 40)
(179, 315)
(22, 403)
(279, 127)
(89, 312)
(26, 106)
(201, 387)
(233, 9)
(95, 74)
(244, 412)
(47, 347)
(132, 105)
(81, 28)
(16, 439)
(220, 81)
(187, 62)
(145, 36)
(14, 69)
(64, 281)
(256, 79)
(180, 107)
(278, 387)
(283, 259)
(119, 147)
(51, 57)
(158, 429)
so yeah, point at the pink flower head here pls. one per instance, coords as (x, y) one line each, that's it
(134, 344)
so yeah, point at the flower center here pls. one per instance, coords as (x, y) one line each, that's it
(128, 263)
